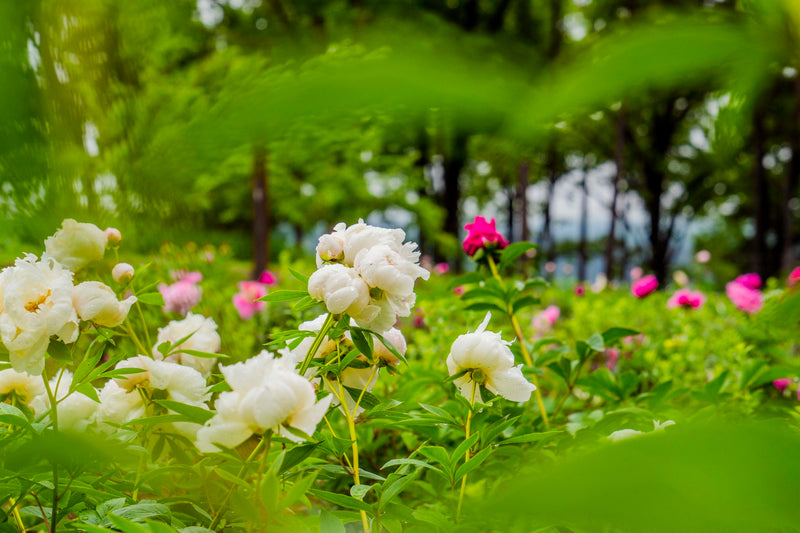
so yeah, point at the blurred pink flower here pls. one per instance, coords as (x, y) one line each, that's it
(579, 289)
(544, 320)
(751, 281)
(794, 277)
(702, 257)
(636, 273)
(185, 275)
(550, 267)
(245, 300)
(268, 278)
(744, 298)
(419, 319)
(181, 296)
(612, 356)
(782, 384)
(442, 268)
(482, 233)
(686, 298)
(644, 286)
(458, 290)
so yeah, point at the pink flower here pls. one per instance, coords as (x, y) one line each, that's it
(612, 356)
(794, 278)
(702, 257)
(686, 298)
(185, 275)
(782, 384)
(644, 286)
(546, 318)
(744, 298)
(245, 300)
(751, 281)
(181, 296)
(579, 289)
(458, 290)
(636, 273)
(114, 235)
(268, 278)
(550, 267)
(482, 233)
(419, 319)
(442, 268)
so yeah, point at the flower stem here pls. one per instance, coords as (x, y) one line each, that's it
(17, 517)
(317, 342)
(525, 354)
(466, 455)
(54, 419)
(351, 426)
(263, 443)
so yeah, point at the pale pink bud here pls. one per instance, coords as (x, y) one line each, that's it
(122, 273)
(114, 236)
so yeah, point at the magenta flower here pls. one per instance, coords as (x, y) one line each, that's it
(782, 384)
(644, 286)
(181, 296)
(482, 234)
(419, 319)
(751, 281)
(686, 298)
(794, 278)
(612, 356)
(459, 290)
(268, 278)
(245, 301)
(744, 298)
(579, 289)
(442, 268)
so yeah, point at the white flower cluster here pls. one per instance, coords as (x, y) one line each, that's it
(485, 360)
(38, 299)
(367, 272)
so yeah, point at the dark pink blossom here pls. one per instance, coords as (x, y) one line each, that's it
(268, 278)
(794, 278)
(686, 298)
(482, 233)
(579, 289)
(782, 384)
(745, 298)
(612, 356)
(751, 280)
(644, 286)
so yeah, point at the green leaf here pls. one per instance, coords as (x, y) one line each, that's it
(329, 523)
(348, 502)
(204, 355)
(462, 448)
(484, 306)
(513, 251)
(283, 296)
(368, 400)
(362, 342)
(151, 298)
(296, 455)
(595, 342)
(11, 415)
(394, 485)
(473, 463)
(298, 276)
(530, 437)
(613, 335)
(465, 279)
(193, 413)
(359, 491)
(88, 390)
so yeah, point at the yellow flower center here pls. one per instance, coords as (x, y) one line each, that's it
(34, 305)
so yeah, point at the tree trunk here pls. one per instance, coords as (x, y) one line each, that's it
(452, 186)
(760, 196)
(790, 188)
(583, 229)
(260, 211)
(619, 152)
(546, 240)
(522, 200)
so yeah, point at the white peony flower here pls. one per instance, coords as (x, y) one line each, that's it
(96, 302)
(35, 304)
(122, 273)
(292, 358)
(624, 434)
(182, 383)
(341, 288)
(76, 244)
(266, 395)
(367, 272)
(204, 338)
(118, 406)
(75, 411)
(488, 361)
(24, 387)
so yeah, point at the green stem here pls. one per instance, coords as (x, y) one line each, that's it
(570, 388)
(351, 425)
(54, 419)
(466, 455)
(263, 443)
(317, 342)
(521, 338)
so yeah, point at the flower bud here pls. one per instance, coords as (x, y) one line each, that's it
(114, 236)
(122, 273)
